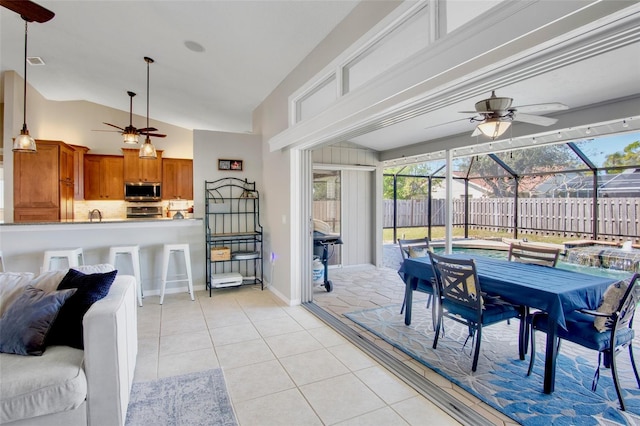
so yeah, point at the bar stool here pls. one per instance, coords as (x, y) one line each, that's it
(133, 253)
(168, 250)
(75, 257)
(2, 263)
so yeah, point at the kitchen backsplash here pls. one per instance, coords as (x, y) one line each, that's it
(113, 209)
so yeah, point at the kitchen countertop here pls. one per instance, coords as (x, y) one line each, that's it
(137, 222)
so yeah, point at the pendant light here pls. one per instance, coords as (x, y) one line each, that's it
(147, 150)
(24, 142)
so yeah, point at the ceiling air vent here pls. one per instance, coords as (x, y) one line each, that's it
(35, 60)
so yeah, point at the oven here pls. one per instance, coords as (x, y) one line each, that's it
(144, 212)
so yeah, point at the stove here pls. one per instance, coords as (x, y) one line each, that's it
(144, 212)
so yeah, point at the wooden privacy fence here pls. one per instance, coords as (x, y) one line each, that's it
(549, 216)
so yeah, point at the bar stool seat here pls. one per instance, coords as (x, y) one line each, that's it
(133, 253)
(168, 250)
(75, 257)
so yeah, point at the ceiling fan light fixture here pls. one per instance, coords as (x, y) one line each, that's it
(494, 127)
(147, 150)
(131, 138)
(24, 142)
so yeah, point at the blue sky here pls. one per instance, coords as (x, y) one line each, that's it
(598, 149)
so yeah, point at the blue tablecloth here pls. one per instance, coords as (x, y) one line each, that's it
(552, 290)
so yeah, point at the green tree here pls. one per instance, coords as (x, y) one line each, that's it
(630, 156)
(408, 187)
(527, 162)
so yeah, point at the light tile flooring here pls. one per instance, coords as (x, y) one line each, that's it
(364, 287)
(282, 365)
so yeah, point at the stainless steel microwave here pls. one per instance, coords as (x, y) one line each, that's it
(142, 191)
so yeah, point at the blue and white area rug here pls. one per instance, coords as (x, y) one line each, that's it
(501, 378)
(195, 399)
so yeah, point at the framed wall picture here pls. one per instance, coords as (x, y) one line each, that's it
(235, 165)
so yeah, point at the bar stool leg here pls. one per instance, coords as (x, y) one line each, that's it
(165, 270)
(135, 258)
(134, 253)
(187, 261)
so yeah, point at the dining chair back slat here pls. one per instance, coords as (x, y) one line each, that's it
(417, 245)
(546, 256)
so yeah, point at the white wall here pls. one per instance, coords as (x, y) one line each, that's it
(271, 117)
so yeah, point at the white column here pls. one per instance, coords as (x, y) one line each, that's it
(448, 221)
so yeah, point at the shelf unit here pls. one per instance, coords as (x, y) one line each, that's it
(233, 233)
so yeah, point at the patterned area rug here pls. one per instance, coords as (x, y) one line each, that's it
(501, 378)
(192, 399)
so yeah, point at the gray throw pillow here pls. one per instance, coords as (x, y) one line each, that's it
(26, 322)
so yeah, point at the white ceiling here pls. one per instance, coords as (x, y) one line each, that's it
(94, 51)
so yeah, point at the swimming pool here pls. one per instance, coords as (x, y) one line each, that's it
(502, 254)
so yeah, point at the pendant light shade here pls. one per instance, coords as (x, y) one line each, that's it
(147, 150)
(24, 142)
(494, 127)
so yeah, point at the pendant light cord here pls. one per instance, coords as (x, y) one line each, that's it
(24, 110)
(147, 98)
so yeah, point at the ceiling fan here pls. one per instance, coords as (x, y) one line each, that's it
(129, 132)
(28, 10)
(495, 115)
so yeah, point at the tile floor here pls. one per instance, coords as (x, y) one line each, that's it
(282, 365)
(364, 287)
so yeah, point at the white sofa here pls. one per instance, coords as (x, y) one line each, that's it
(68, 386)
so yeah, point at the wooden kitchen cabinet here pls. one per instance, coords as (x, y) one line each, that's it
(78, 171)
(43, 183)
(103, 177)
(138, 169)
(177, 178)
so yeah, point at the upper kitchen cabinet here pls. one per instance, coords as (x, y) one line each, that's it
(103, 177)
(43, 183)
(138, 169)
(177, 178)
(78, 171)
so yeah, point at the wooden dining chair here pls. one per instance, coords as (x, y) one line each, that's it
(461, 299)
(412, 248)
(537, 255)
(607, 330)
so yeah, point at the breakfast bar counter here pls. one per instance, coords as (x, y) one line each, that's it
(23, 244)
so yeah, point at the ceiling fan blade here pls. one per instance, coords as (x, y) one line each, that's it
(155, 135)
(29, 10)
(552, 106)
(113, 125)
(535, 119)
(145, 129)
(110, 131)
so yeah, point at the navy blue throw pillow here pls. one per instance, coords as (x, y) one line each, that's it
(25, 324)
(67, 328)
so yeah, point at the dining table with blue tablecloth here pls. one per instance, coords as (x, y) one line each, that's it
(553, 290)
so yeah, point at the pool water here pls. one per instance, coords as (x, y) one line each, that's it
(502, 254)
